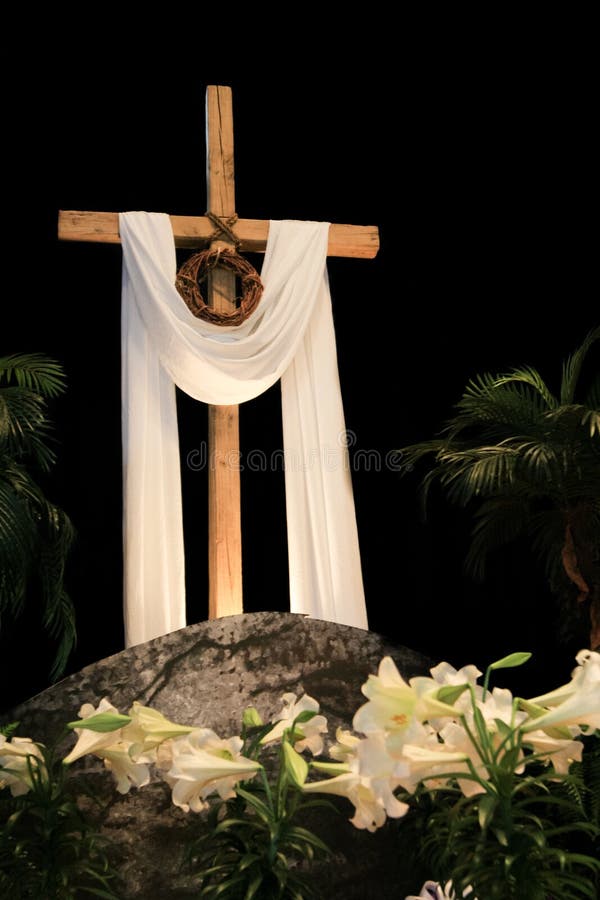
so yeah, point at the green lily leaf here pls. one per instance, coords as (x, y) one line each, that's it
(305, 836)
(226, 824)
(305, 716)
(501, 835)
(254, 886)
(261, 808)
(247, 860)
(97, 892)
(504, 730)
(487, 807)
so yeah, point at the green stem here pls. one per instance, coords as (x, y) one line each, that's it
(482, 746)
(267, 787)
(486, 682)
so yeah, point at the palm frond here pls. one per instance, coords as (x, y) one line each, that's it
(60, 621)
(527, 375)
(572, 366)
(511, 467)
(486, 400)
(35, 538)
(498, 522)
(480, 472)
(18, 542)
(527, 465)
(35, 372)
(24, 426)
(15, 473)
(537, 461)
(57, 536)
(592, 418)
(575, 415)
(412, 454)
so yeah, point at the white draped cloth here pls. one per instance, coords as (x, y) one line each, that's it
(289, 336)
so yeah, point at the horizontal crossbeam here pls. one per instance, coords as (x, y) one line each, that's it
(360, 241)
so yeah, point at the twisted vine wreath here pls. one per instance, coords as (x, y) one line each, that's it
(195, 271)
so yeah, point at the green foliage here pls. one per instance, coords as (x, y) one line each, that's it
(584, 791)
(524, 837)
(35, 534)
(48, 848)
(9, 729)
(527, 464)
(255, 845)
(511, 851)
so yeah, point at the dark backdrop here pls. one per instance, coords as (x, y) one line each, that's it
(476, 166)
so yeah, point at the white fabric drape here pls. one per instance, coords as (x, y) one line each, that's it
(289, 336)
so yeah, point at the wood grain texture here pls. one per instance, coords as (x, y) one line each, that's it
(359, 241)
(224, 514)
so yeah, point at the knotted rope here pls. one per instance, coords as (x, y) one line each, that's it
(224, 229)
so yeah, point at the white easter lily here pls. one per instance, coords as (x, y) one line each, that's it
(422, 734)
(369, 784)
(419, 763)
(149, 728)
(346, 745)
(17, 757)
(585, 673)
(499, 706)
(444, 673)
(90, 741)
(393, 703)
(126, 771)
(204, 764)
(560, 752)
(111, 746)
(311, 731)
(447, 676)
(457, 741)
(576, 703)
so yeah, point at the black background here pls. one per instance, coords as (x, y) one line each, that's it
(474, 158)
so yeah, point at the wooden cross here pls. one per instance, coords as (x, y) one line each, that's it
(224, 513)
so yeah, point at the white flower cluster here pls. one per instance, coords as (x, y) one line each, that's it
(410, 732)
(20, 758)
(432, 890)
(195, 762)
(424, 730)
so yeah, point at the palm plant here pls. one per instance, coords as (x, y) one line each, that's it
(529, 462)
(35, 534)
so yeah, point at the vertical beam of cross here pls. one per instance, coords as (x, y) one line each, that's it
(224, 502)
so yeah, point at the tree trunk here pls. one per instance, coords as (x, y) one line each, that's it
(579, 558)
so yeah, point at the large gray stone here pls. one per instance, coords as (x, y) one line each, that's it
(206, 675)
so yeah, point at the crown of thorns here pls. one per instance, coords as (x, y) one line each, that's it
(195, 271)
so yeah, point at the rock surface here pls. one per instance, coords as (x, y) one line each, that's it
(206, 675)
